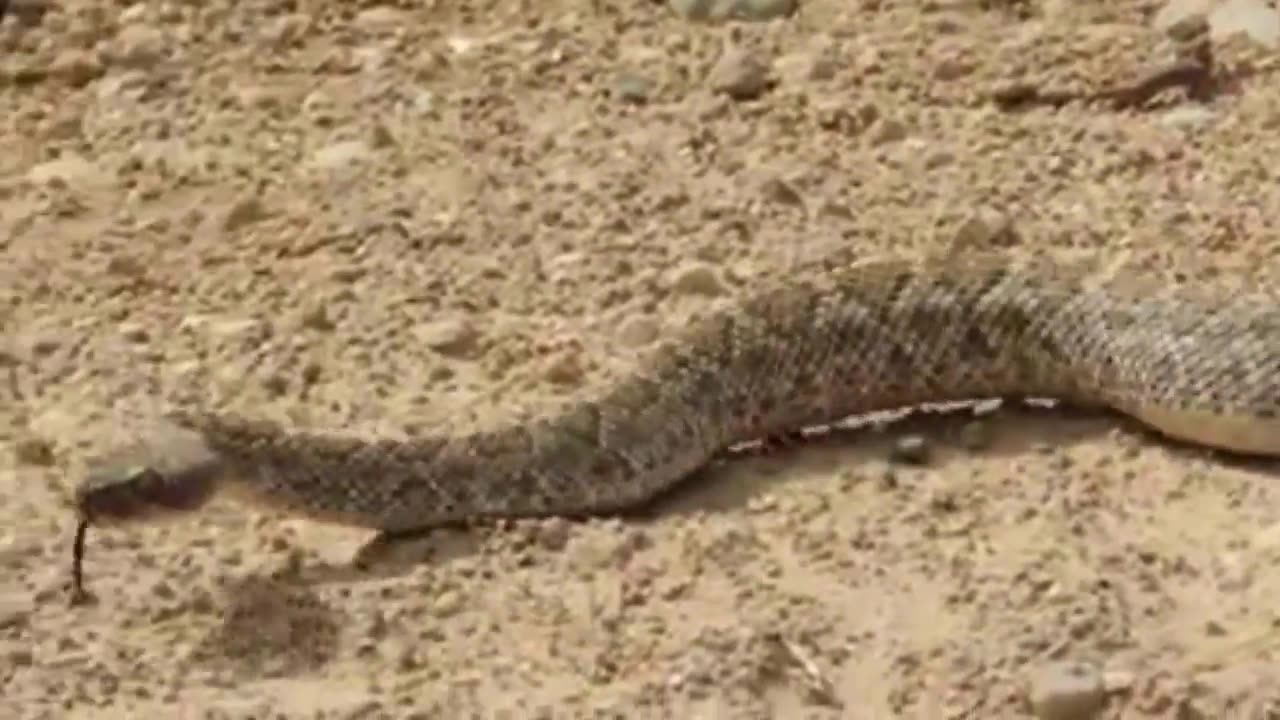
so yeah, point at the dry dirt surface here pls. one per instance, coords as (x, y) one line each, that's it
(434, 216)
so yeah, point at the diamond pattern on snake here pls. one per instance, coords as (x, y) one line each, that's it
(806, 350)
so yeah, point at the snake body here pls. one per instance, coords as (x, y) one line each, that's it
(799, 352)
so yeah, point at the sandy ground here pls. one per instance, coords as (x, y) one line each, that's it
(432, 217)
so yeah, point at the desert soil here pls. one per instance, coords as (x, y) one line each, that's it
(431, 217)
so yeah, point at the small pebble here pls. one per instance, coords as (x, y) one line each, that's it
(554, 533)
(17, 656)
(1188, 118)
(243, 212)
(34, 451)
(565, 369)
(140, 47)
(740, 74)
(632, 87)
(1067, 691)
(341, 155)
(134, 332)
(125, 266)
(1182, 21)
(984, 230)
(697, 279)
(347, 273)
(449, 337)
(638, 331)
(75, 67)
(447, 603)
(952, 68)
(317, 318)
(381, 19)
(886, 131)
(939, 159)
(782, 192)
(45, 345)
(910, 449)
(380, 136)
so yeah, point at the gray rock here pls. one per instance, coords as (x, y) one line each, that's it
(451, 338)
(632, 87)
(740, 74)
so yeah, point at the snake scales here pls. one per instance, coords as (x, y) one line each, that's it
(800, 352)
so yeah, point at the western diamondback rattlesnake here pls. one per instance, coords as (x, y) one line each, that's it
(806, 351)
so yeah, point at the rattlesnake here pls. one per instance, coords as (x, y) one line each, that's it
(797, 352)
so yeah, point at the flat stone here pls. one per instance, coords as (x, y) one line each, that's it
(449, 337)
(697, 279)
(1067, 691)
(638, 331)
(340, 155)
(740, 74)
